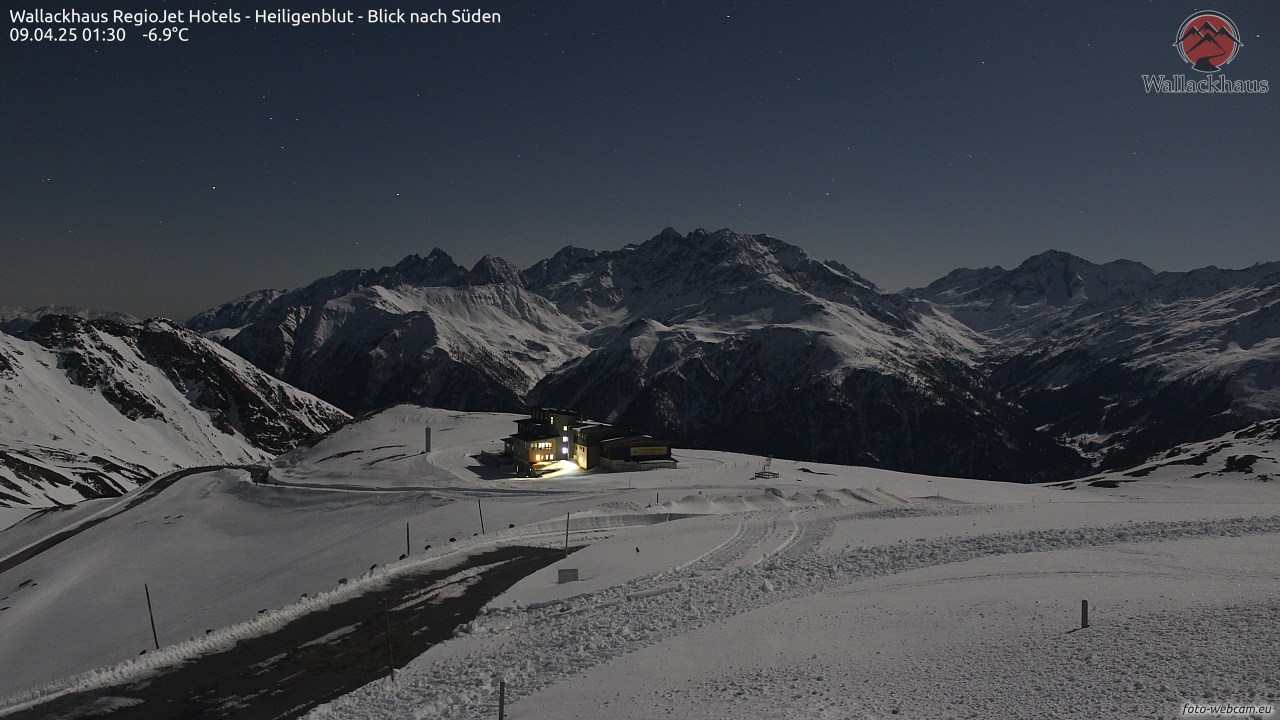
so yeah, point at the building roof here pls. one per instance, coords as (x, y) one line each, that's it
(532, 437)
(633, 441)
(599, 432)
(557, 411)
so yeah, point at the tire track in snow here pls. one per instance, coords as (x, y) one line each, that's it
(749, 535)
(538, 646)
(808, 538)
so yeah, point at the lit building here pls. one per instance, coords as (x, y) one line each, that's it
(540, 439)
(550, 435)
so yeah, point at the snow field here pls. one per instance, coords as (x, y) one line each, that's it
(536, 647)
(1166, 626)
(216, 549)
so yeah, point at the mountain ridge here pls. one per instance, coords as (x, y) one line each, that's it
(630, 334)
(93, 408)
(1050, 369)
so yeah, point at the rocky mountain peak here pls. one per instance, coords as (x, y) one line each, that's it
(437, 268)
(491, 269)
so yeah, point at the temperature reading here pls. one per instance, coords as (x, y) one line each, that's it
(165, 34)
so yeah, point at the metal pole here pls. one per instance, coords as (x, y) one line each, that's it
(1084, 614)
(407, 550)
(502, 700)
(566, 534)
(478, 505)
(152, 615)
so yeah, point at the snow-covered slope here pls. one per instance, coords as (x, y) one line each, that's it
(1224, 463)
(92, 408)
(216, 548)
(926, 609)
(827, 591)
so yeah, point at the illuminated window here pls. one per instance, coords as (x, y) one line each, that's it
(564, 438)
(565, 450)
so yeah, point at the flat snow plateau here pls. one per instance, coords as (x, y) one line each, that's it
(824, 592)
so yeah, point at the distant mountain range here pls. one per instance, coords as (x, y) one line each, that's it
(1121, 362)
(743, 342)
(1052, 370)
(14, 319)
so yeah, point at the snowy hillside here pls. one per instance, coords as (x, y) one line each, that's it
(92, 408)
(826, 591)
(1251, 453)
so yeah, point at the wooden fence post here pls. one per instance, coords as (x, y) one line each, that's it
(154, 637)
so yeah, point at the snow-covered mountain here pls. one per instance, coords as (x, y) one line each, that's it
(14, 319)
(1121, 361)
(744, 342)
(715, 339)
(91, 408)
(424, 330)
(1020, 306)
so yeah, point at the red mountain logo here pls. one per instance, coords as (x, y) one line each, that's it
(1208, 41)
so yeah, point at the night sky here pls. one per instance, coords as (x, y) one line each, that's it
(902, 139)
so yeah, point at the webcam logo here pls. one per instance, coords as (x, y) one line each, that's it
(1208, 41)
